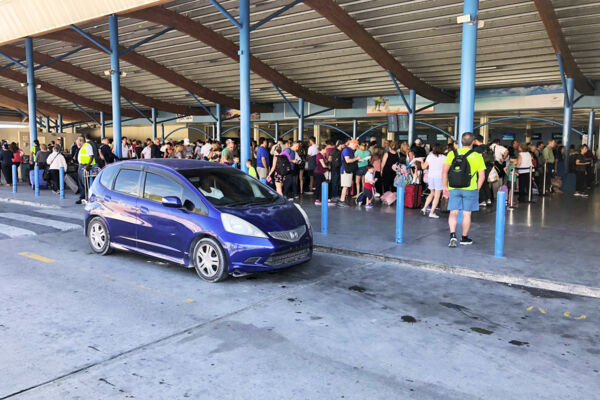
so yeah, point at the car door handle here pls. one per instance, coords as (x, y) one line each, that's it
(143, 210)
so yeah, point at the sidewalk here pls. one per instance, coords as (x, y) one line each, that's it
(26, 196)
(556, 239)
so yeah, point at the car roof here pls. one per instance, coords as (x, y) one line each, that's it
(176, 164)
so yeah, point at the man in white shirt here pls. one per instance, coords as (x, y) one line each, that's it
(313, 150)
(500, 152)
(125, 149)
(205, 150)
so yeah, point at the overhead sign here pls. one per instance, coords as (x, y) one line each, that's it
(523, 98)
(184, 118)
(382, 105)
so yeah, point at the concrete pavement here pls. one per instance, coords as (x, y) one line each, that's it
(76, 325)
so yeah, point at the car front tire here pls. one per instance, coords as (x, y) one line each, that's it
(209, 260)
(98, 237)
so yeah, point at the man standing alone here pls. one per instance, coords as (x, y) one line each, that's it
(463, 174)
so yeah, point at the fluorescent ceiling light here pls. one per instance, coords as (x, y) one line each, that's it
(490, 68)
(9, 125)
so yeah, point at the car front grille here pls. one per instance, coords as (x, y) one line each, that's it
(288, 257)
(293, 235)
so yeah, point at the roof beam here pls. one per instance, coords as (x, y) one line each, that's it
(17, 100)
(557, 38)
(344, 22)
(65, 94)
(86, 76)
(162, 16)
(157, 69)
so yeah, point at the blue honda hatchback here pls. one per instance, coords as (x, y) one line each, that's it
(203, 215)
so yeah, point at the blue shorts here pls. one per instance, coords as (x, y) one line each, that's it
(361, 171)
(464, 200)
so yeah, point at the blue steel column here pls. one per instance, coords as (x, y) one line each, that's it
(244, 54)
(467, 69)
(590, 135)
(301, 119)
(567, 117)
(412, 102)
(354, 129)
(47, 124)
(154, 127)
(31, 98)
(276, 131)
(219, 123)
(60, 123)
(115, 80)
(102, 125)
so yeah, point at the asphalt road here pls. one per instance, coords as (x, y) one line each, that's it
(74, 325)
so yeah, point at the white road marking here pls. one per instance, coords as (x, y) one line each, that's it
(74, 214)
(14, 232)
(63, 226)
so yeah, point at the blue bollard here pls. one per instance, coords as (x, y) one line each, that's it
(324, 206)
(36, 180)
(61, 182)
(400, 215)
(500, 222)
(15, 178)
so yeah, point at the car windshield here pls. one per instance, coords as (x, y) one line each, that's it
(229, 187)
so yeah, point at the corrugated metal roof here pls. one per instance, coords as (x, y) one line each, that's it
(513, 48)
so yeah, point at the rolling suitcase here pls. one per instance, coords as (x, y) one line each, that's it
(413, 196)
(43, 184)
(388, 198)
(71, 183)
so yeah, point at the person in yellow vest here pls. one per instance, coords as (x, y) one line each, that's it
(33, 152)
(86, 158)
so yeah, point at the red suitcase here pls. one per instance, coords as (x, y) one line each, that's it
(413, 196)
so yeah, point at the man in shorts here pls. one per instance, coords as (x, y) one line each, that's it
(464, 199)
(346, 179)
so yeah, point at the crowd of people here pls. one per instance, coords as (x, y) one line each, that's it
(357, 172)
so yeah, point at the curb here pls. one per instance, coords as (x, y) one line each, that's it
(536, 283)
(28, 203)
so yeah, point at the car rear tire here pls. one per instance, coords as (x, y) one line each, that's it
(98, 237)
(209, 260)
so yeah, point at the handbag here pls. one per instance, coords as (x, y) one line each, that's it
(493, 176)
(46, 174)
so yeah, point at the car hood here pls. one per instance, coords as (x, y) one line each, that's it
(269, 218)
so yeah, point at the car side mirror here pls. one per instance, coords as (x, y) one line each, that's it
(171, 202)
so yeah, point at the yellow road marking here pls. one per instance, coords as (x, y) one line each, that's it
(36, 257)
(542, 310)
(529, 308)
(189, 300)
(582, 316)
(567, 314)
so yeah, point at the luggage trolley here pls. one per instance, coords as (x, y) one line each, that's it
(88, 178)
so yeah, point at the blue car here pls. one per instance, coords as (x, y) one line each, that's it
(202, 215)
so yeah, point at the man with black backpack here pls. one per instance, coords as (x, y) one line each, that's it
(485, 194)
(463, 174)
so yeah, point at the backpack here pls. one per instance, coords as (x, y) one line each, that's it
(349, 168)
(488, 156)
(336, 160)
(284, 166)
(459, 174)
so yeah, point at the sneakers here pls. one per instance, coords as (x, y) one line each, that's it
(465, 240)
(453, 242)
(330, 202)
(483, 204)
(342, 204)
(78, 201)
(317, 202)
(423, 212)
(432, 215)
(489, 202)
(370, 205)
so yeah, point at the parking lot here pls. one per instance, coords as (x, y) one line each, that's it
(76, 325)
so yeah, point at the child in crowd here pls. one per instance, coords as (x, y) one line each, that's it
(369, 188)
(236, 162)
(251, 169)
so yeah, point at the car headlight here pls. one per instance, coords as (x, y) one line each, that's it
(304, 214)
(237, 225)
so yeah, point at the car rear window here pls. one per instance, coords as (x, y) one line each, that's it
(108, 175)
(128, 182)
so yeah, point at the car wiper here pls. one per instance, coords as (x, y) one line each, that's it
(238, 204)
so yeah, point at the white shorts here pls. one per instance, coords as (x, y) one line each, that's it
(262, 173)
(346, 180)
(435, 183)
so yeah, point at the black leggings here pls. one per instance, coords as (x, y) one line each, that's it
(7, 172)
(319, 179)
(524, 180)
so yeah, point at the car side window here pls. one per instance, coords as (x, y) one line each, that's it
(157, 187)
(108, 175)
(128, 182)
